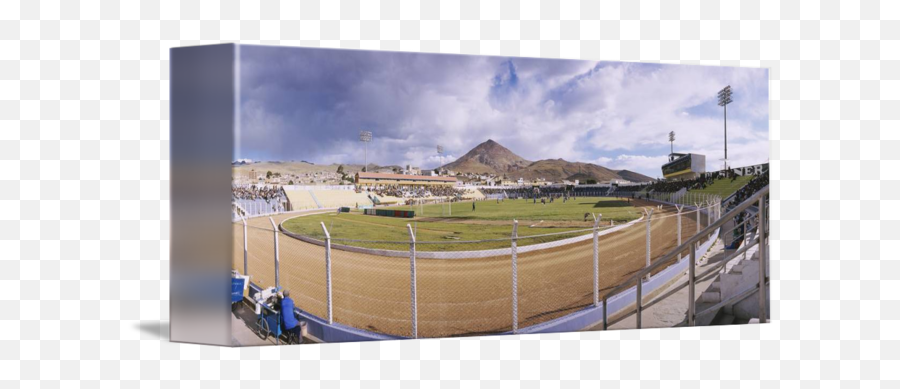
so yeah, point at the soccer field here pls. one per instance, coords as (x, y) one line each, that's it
(489, 220)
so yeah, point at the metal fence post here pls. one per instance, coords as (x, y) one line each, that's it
(605, 326)
(515, 277)
(649, 216)
(328, 301)
(412, 281)
(640, 301)
(678, 218)
(698, 218)
(691, 284)
(763, 256)
(275, 232)
(597, 260)
(245, 244)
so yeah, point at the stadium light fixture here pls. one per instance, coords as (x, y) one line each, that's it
(724, 100)
(366, 137)
(672, 141)
(440, 151)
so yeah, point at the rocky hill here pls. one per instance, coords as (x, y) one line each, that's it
(488, 157)
(491, 157)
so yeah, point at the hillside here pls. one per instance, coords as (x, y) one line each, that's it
(491, 157)
(488, 157)
(633, 176)
(559, 169)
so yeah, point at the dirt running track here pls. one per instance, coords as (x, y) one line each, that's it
(455, 296)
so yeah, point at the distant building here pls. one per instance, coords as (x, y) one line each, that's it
(379, 179)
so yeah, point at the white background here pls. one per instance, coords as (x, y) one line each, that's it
(84, 183)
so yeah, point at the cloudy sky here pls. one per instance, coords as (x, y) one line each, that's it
(310, 104)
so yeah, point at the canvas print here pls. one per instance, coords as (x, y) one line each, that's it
(387, 195)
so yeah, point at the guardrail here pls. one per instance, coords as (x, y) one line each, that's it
(759, 199)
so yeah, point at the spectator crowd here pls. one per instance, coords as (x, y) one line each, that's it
(753, 186)
(260, 199)
(419, 192)
(254, 192)
(672, 186)
(748, 190)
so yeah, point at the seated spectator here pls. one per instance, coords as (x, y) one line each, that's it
(291, 325)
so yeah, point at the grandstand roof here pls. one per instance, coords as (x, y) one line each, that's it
(387, 176)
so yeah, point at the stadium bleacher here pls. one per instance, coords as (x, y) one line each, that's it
(473, 194)
(255, 200)
(341, 198)
(724, 187)
(316, 199)
(301, 199)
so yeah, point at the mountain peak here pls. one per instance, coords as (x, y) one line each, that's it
(493, 158)
(488, 157)
(489, 144)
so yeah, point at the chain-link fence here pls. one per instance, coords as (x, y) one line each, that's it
(261, 254)
(463, 292)
(302, 267)
(433, 289)
(372, 290)
(237, 249)
(555, 281)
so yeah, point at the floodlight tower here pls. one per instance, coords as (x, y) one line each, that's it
(366, 137)
(724, 100)
(672, 141)
(440, 150)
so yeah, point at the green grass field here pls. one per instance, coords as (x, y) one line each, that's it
(724, 187)
(489, 220)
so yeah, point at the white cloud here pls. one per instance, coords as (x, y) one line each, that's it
(539, 109)
(646, 164)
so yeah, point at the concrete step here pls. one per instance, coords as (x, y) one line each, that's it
(738, 320)
(725, 320)
(711, 297)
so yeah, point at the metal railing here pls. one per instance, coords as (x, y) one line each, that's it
(759, 199)
(322, 269)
